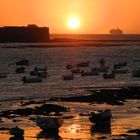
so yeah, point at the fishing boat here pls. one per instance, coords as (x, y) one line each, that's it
(68, 77)
(120, 71)
(100, 69)
(23, 62)
(40, 72)
(102, 66)
(69, 66)
(31, 79)
(120, 65)
(109, 75)
(20, 70)
(100, 116)
(89, 73)
(76, 71)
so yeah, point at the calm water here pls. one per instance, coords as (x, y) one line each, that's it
(12, 88)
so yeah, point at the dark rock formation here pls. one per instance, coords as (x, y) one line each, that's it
(109, 96)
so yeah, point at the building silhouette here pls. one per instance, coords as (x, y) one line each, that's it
(29, 33)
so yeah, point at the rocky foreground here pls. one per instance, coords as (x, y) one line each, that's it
(109, 96)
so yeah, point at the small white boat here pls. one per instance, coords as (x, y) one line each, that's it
(49, 124)
(68, 77)
(100, 116)
(31, 79)
(16, 131)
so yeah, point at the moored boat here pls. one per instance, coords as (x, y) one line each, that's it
(76, 71)
(20, 70)
(68, 77)
(120, 71)
(109, 75)
(100, 69)
(89, 73)
(69, 66)
(39, 72)
(23, 62)
(31, 79)
(120, 65)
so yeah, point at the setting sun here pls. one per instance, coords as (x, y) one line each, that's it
(74, 23)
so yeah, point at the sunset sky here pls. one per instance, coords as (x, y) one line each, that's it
(94, 16)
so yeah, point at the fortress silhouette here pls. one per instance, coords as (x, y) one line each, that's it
(29, 33)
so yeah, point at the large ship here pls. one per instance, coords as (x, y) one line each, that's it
(116, 31)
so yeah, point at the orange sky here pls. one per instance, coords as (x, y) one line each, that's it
(96, 16)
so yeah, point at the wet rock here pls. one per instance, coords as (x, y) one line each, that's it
(44, 109)
(83, 114)
(133, 138)
(1, 120)
(137, 131)
(16, 120)
(124, 135)
(48, 108)
(118, 139)
(102, 137)
(32, 102)
(24, 112)
(16, 138)
(115, 103)
(68, 117)
(5, 113)
(46, 135)
(3, 128)
(109, 96)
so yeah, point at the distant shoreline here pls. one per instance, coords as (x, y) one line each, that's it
(67, 42)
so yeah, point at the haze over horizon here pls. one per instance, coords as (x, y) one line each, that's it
(92, 16)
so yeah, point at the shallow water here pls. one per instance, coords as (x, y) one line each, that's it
(13, 91)
(56, 59)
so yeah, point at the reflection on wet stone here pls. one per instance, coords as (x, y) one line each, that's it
(52, 135)
(16, 138)
(104, 128)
